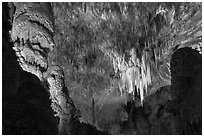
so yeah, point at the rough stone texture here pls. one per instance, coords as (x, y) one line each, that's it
(22, 94)
(32, 34)
(32, 31)
(61, 102)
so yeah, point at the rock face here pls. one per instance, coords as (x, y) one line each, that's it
(61, 102)
(186, 90)
(25, 104)
(32, 33)
(32, 30)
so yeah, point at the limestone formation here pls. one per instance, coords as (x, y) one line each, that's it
(61, 102)
(32, 34)
(32, 30)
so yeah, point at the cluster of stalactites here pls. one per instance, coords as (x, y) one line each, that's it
(135, 74)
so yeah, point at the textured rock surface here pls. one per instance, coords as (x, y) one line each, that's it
(32, 30)
(113, 61)
(32, 33)
(25, 102)
(61, 102)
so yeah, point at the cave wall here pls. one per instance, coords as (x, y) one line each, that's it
(25, 102)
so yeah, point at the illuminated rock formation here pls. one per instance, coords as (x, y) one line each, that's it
(61, 102)
(32, 30)
(32, 35)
